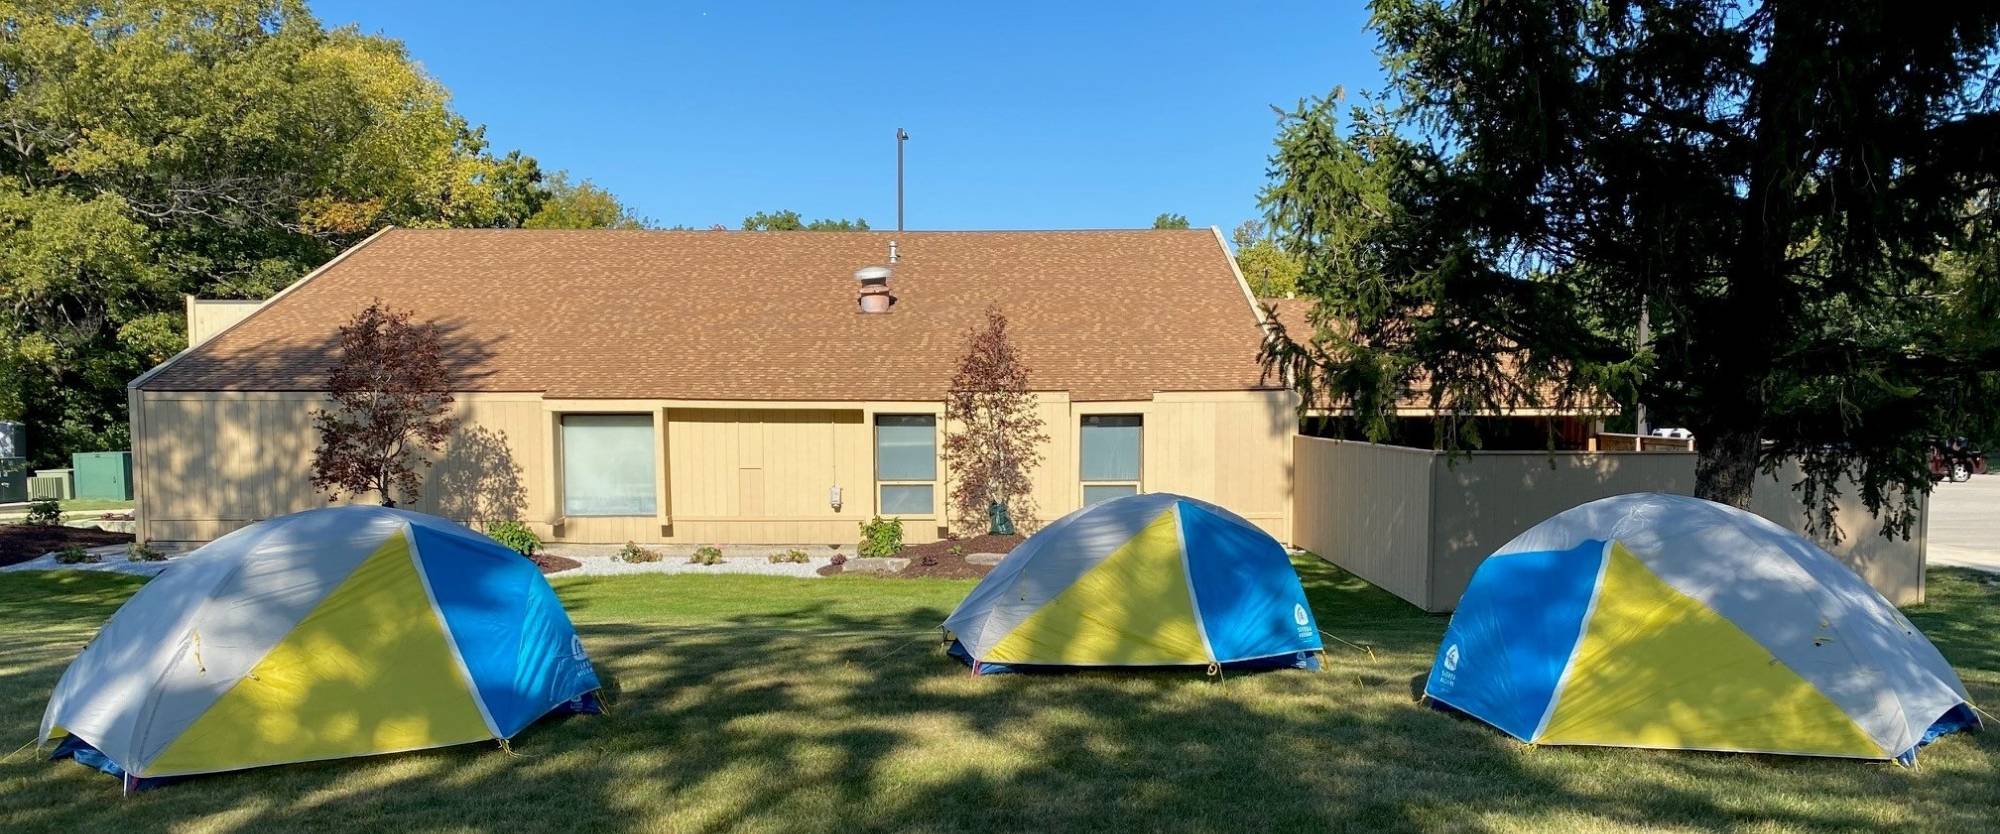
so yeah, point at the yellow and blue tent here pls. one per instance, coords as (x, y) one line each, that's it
(1146, 580)
(344, 631)
(1664, 621)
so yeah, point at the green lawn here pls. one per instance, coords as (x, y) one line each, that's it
(94, 505)
(89, 506)
(767, 704)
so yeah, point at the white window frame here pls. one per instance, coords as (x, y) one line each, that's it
(1137, 484)
(875, 455)
(562, 470)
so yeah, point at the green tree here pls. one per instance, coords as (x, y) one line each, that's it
(1170, 221)
(786, 220)
(582, 205)
(215, 147)
(1271, 271)
(1772, 183)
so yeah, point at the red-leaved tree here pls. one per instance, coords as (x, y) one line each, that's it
(994, 436)
(392, 395)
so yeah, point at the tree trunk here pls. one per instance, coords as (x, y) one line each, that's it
(1725, 466)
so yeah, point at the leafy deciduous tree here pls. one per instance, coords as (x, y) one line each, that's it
(1271, 271)
(786, 220)
(1168, 220)
(994, 434)
(392, 399)
(1773, 183)
(213, 147)
(580, 205)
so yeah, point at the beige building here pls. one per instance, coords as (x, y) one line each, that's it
(726, 387)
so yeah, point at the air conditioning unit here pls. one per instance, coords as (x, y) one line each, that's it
(51, 483)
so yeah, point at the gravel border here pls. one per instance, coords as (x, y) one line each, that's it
(602, 560)
(114, 561)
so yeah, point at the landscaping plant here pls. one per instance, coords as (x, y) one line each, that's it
(392, 408)
(881, 537)
(706, 555)
(46, 511)
(633, 554)
(794, 556)
(75, 555)
(516, 536)
(139, 552)
(993, 433)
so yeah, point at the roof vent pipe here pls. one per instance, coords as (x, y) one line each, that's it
(874, 295)
(892, 253)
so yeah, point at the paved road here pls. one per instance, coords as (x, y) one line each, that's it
(1965, 524)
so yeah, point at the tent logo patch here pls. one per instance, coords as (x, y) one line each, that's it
(1299, 614)
(1448, 675)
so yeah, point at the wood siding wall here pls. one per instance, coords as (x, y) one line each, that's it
(1234, 450)
(1418, 526)
(207, 317)
(764, 475)
(1367, 508)
(207, 463)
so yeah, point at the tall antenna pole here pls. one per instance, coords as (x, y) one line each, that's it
(901, 137)
(1645, 338)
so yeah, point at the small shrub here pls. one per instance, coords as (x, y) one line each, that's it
(75, 555)
(138, 552)
(839, 559)
(633, 554)
(516, 536)
(796, 557)
(882, 537)
(47, 511)
(706, 555)
(930, 560)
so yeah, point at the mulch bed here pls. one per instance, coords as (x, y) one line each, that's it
(22, 542)
(947, 565)
(955, 567)
(550, 563)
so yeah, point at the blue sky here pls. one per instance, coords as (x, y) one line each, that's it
(1022, 115)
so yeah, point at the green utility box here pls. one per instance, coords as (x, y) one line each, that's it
(13, 480)
(106, 475)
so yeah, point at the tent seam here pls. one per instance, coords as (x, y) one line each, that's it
(1187, 576)
(450, 639)
(1582, 628)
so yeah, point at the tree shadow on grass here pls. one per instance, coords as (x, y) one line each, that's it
(813, 717)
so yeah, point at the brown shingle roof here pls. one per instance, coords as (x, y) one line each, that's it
(1105, 315)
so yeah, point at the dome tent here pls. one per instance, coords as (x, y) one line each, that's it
(1665, 621)
(1145, 580)
(344, 631)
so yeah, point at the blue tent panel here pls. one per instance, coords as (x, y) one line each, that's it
(1506, 647)
(80, 751)
(509, 627)
(1249, 598)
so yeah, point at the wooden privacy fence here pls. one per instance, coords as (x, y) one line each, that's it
(1418, 524)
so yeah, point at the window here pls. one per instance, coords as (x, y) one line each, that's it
(1095, 493)
(906, 463)
(1111, 452)
(608, 465)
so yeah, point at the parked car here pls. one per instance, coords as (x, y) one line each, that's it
(1956, 460)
